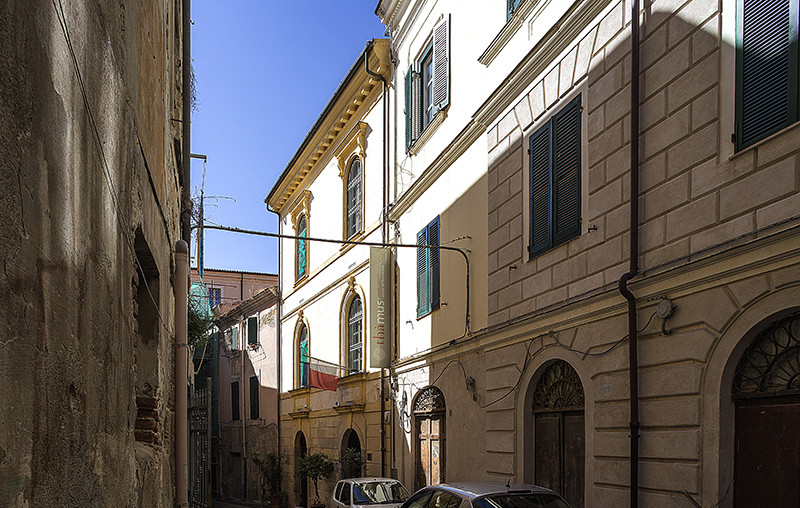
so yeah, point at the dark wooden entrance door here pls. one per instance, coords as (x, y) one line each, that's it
(767, 456)
(430, 450)
(559, 444)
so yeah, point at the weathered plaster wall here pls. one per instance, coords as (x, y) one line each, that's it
(78, 349)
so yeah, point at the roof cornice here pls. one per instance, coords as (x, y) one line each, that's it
(345, 107)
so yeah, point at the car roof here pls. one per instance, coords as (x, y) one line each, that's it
(369, 479)
(478, 489)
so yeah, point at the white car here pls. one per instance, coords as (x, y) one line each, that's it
(372, 492)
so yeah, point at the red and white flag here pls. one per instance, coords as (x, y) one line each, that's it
(323, 375)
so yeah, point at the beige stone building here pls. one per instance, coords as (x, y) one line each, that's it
(333, 189)
(230, 287)
(511, 147)
(91, 99)
(248, 397)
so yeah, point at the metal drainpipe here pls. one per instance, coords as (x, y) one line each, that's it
(385, 147)
(634, 258)
(181, 373)
(278, 361)
(243, 405)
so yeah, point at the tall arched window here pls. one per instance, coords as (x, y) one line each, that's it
(354, 198)
(302, 253)
(355, 341)
(302, 355)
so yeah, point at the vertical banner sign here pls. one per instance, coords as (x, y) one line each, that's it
(380, 298)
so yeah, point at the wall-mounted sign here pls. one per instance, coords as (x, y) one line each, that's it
(380, 309)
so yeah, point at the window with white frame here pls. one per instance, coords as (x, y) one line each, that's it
(355, 336)
(427, 83)
(354, 197)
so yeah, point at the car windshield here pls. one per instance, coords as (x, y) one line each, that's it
(522, 500)
(379, 493)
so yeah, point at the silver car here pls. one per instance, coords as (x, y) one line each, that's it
(485, 495)
(372, 492)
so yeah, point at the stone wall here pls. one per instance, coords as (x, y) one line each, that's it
(88, 219)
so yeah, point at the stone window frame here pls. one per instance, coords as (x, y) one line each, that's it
(352, 292)
(301, 209)
(353, 146)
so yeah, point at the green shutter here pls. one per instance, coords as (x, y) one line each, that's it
(441, 64)
(539, 197)
(433, 268)
(566, 179)
(252, 330)
(409, 110)
(423, 281)
(235, 337)
(766, 68)
(254, 389)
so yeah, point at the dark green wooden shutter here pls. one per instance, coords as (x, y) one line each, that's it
(252, 330)
(566, 179)
(766, 68)
(409, 108)
(254, 389)
(441, 64)
(433, 269)
(539, 198)
(423, 292)
(235, 400)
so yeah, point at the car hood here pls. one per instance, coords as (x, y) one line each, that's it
(387, 505)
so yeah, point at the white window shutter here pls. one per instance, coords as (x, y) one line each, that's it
(441, 64)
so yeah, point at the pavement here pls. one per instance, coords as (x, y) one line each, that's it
(232, 504)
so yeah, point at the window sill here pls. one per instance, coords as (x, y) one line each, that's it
(428, 132)
(764, 141)
(510, 29)
(359, 236)
(300, 282)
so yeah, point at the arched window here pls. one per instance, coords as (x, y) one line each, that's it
(559, 440)
(302, 355)
(354, 198)
(302, 253)
(355, 334)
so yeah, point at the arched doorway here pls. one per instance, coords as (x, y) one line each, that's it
(559, 433)
(350, 440)
(301, 485)
(766, 394)
(429, 431)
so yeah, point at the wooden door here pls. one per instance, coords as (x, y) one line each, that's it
(430, 450)
(767, 454)
(559, 453)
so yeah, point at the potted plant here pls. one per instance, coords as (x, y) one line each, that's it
(272, 471)
(313, 467)
(352, 463)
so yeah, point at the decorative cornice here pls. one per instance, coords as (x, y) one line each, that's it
(357, 90)
(575, 21)
(511, 28)
(357, 137)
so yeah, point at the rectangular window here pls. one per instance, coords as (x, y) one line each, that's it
(555, 180)
(254, 392)
(214, 297)
(428, 269)
(427, 84)
(252, 330)
(766, 68)
(235, 337)
(511, 6)
(235, 401)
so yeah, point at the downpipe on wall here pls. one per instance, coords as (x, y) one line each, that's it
(633, 360)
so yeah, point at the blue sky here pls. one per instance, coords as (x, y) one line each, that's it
(265, 70)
